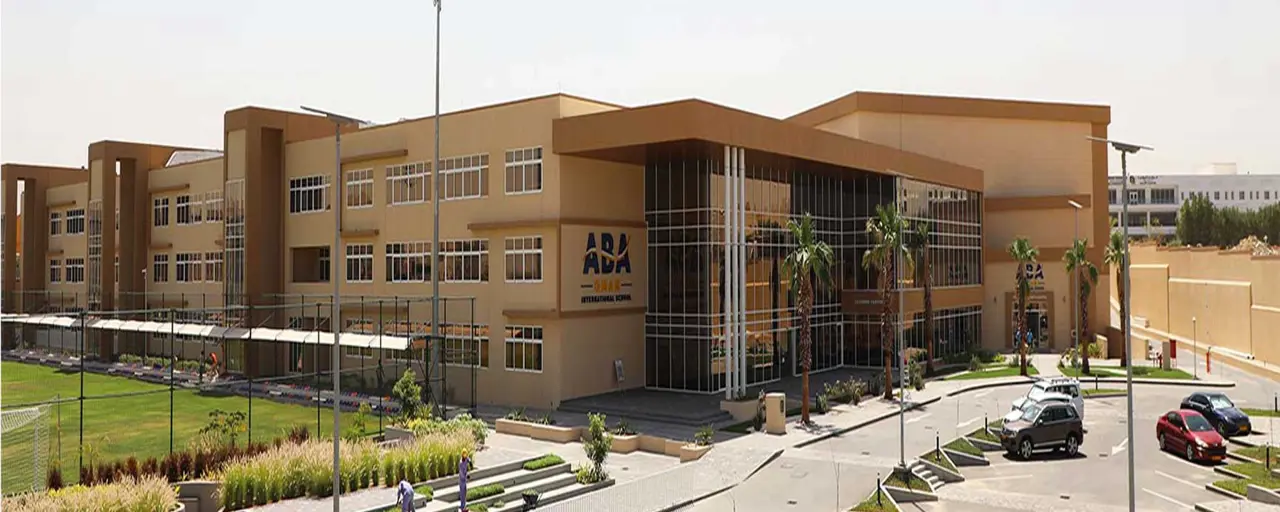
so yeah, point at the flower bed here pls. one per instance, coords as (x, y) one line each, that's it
(545, 461)
(146, 494)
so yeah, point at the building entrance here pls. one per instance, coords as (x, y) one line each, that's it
(1039, 322)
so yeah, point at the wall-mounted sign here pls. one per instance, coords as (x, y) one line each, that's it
(1133, 180)
(606, 262)
(1035, 276)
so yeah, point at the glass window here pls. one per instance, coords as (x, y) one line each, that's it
(408, 262)
(360, 188)
(55, 271)
(359, 263)
(523, 259)
(308, 194)
(1196, 423)
(524, 348)
(55, 223)
(213, 266)
(1220, 402)
(187, 267)
(213, 206)
(465, 261)
(75, 221)
(1163, 196)
(187, 212)
(465, 177)
(160, 268)
(467, 347)
(524, 170)
(407, 183)
(75, 270)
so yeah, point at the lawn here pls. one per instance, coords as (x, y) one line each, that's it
(1002, 371)
(877, 502)
(1260, 452)
(1146, 372)
(963, 445)
(1261, 413)
(1101, 391)
(913, 482)
(1257, 475)
(937, 458)
(135, 425)
(985, 435)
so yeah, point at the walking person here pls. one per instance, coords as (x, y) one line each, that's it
(404, 496)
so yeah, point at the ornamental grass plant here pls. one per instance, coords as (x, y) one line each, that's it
(428, 457)
(145, 494)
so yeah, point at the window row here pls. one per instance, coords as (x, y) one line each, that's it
(463, 261)
(73, 272)
(464, 345)
(189, 267)
(74, 222)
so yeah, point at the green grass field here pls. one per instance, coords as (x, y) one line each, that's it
(135, 426)
(994, 373)
(1138, 371)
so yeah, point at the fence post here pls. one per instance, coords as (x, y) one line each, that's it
(83, 333)
(250, 375)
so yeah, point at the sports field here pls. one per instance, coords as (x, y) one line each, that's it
(138, 426)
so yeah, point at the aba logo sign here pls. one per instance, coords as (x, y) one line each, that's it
(607, 262)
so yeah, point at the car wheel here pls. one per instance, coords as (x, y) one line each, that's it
(1025, 448)
(1190, 454)
(1073, 445)
(1222, 429)
(1163, 447)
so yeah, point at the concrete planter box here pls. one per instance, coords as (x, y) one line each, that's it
(541, 432)
(198, 495)
(961, 459)
(741, 410)
(1230, 473)
(691, 452)
(985, 446)
(625, 444)
(1261, 495)
(1224, 492)
(943, 473)
(397, 434)
(901, 495)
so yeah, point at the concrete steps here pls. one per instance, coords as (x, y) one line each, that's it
(554, 483)
(923, 471)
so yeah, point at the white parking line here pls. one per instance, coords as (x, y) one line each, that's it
(1120, 447)
(967, 423)
(920, 417)
(994, 478)
(1166, 498)
(1179, 480)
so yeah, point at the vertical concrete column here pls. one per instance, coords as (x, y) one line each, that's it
(9, 274)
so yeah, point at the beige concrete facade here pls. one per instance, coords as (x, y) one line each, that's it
(1029, 159)
(1233, 296)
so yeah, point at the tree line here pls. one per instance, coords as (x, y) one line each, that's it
(1202, 223)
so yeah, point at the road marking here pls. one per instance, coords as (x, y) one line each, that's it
(992, 478)
(920, 417)
(1166, 498)
(1120, 447)
(982, 394)
(967, 423)
(1179, 480)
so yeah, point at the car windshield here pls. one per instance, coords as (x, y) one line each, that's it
(1036, 391)
(1030, 412)
(1197, 423)
(1220, 402)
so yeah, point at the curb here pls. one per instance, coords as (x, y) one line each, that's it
(677, 506)
(1241, 442)
(1105, 395)
(901, 495)
(985, 446)
(1224, 471)
(856, 426)
(969, 460)
(1242, 458)
(1224, 492)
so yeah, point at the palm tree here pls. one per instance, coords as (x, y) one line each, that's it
(1077, 260)
(919, 243)
(810, 258)
(887, 229)
(1025, 255)
(1113, 256)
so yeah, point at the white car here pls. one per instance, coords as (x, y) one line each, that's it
(1021, 405)
(1067, 387)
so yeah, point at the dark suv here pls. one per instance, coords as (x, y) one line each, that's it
(1041, 427)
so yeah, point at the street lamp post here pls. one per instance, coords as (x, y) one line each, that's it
(1195, 331)
(434, 344)
(335, 257)
(1075, 283)
(1125, 149)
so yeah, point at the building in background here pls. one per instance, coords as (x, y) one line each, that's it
(590, 235)
(1154, 199)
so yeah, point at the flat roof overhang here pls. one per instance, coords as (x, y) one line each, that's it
(629, 135)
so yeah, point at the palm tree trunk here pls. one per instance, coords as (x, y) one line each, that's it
(928, 311)
(806, 345)
(1084, 340)
(886, 329)
(1020, 344)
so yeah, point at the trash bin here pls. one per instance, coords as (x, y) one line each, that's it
(775, 413)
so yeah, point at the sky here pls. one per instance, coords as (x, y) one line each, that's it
(1199, 81)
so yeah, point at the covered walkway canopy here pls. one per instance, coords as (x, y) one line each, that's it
(386, 342)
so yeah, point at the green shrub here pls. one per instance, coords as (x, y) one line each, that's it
(822, 405)
(704, 436)
(428, 457)
(623, 429)
(546, 419)
(460, 423)
(915, 374)
(517, 415)
(544, 461)
(144, 494)
(975, 363)
(409, 394)
(484, 491)
(597, 444)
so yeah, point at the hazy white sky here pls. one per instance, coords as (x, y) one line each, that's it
(1198, 80)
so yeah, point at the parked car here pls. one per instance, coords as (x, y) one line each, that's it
(1187, 432)
(1052, 426)
(1062, 386)
(1220, 411)
(1020, 405)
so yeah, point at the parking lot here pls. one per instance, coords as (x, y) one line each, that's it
(1095, 480)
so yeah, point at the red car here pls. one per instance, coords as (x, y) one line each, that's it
(1187, 432)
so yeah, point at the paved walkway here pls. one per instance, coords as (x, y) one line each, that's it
(1236, 506)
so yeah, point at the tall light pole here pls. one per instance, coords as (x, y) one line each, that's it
(1125, 149)
(900, 270)
(1075, 283)
(335, 261)
(434, 345)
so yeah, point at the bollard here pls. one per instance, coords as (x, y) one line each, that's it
(937, 445)
(1208, 360)
(878, 484)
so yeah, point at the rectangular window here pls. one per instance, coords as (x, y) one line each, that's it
(160, 212)
(360, 188)
(182, 205)
(465, 261)
(1137, 197)
(55, 271)
(160, 268)
(1163, 196)
(1266, 195)
(407, 183)
(523, 259)
(55, 223)
(360, 263)
(1111, 196)
(1217, 195)
(524, 170)
(213, 266)
(308, 194)
(213, 206)
(524, 348)
(408, 262)
(75, 270)
(464, 176)
(1241, 195)
(466, 347)
(188, 268)
(75, 221)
